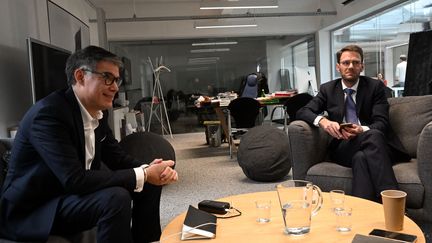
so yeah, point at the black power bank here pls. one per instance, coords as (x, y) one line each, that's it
(214, 206)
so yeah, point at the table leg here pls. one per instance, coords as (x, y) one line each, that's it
(221, 117)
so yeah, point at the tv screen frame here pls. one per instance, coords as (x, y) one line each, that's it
(47, 68)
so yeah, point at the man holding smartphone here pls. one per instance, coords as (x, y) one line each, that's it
(363, 143)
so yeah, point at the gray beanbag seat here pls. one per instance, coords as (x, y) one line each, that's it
(263, 154)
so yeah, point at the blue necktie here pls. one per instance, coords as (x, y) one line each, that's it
(350, 107)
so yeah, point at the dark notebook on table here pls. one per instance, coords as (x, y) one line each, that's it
(198, 225)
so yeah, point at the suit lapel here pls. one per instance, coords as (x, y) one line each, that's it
(361, 92)
(340, 97)
(79, 125)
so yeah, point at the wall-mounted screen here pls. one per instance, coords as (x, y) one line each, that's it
(47, 68)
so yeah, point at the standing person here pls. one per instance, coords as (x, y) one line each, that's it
(55, 182)
(400, 71)
(361, 101)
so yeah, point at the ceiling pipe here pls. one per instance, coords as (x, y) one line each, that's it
(222, 16)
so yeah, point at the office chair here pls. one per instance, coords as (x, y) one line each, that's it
(251, 86)
(291, 106)
(245, 111)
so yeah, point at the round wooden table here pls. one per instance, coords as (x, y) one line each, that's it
(366, 216)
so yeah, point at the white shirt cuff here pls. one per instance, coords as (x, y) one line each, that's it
(140, 177)
(316, 121)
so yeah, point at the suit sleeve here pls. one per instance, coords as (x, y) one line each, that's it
(54, 136)
(379, 113)
(315, 107)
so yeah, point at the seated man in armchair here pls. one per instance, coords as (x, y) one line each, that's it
(367, 144)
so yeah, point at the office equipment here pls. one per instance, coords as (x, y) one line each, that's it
(198, 225)
(47, 68)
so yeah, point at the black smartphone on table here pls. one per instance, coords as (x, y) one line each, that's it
(394, 235)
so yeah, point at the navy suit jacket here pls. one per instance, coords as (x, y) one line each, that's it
(371, 104)
(48, 162)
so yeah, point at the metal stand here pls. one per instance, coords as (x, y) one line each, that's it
(158, 108)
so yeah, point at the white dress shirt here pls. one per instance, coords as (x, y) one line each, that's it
(90, 124)
(354, 96)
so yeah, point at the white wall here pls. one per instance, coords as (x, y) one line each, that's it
(20, 19)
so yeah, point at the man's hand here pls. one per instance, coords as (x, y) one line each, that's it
(334, 129)
(160, 172)
(351, 132)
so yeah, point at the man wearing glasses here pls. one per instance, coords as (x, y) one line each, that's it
(358, 121)
(55, 183)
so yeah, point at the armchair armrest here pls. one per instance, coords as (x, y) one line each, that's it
(424, 159)
(308, 147)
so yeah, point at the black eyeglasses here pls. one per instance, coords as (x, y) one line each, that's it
(347, 63)
(108, 77)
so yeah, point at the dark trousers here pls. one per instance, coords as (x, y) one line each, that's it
(111, 210)
(369, 157)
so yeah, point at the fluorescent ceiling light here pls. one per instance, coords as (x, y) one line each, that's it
(196, 69)
(215, 43)
(209, 50)
(203, 60)
(240, 4)
(224, 23)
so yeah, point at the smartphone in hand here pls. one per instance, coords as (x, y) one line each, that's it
(344, 125)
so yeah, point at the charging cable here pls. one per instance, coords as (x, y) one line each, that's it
(230, 213)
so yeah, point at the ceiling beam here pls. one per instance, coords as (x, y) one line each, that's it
(222, 16)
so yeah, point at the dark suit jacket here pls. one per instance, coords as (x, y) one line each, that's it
(371, 103)
(48, 162)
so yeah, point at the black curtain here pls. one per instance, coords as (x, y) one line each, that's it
(418, 79)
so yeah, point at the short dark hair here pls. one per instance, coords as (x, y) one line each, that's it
(353, 48)
(89, 57)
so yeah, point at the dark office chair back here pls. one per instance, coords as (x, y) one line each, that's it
(244, 110)
(251, 86)
(293, 104)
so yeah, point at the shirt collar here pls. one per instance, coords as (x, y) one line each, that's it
(87, 118)
(354, 87)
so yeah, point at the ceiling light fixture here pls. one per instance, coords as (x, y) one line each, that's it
(209, 50)
(215, 43)
(240, 4)
(224, 23)
(203, 60)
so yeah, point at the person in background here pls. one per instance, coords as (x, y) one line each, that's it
(381, 78)
(58, 183)
(365, 144)
(400, 71)
(388, 91)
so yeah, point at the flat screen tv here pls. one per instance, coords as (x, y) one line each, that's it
(47, 68)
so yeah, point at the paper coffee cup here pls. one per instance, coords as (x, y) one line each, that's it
(394, 208)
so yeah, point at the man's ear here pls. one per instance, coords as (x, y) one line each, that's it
(338, 67)
(79, 76)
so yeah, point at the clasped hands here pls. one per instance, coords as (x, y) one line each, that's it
(334, 129)
(160, 172)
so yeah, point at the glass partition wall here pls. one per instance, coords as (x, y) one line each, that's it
(384, 36)
(208, 67)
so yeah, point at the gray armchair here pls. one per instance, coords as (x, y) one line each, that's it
(411, 119)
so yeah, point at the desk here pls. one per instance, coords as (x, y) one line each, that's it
(273, 100)
(366, 216)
